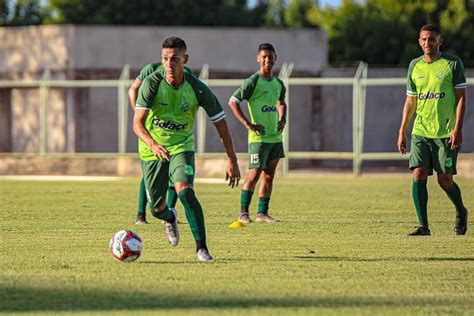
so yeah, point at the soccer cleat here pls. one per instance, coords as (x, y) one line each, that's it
(203, 255)
(140, 219)
(172, 231)
(420, 231)
(461, 225)
(264, 217)
(244, 218)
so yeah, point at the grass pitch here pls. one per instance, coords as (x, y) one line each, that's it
(340, 248)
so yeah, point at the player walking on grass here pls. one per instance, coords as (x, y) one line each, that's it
(164, 118)
(436, 91)
(132, 96)
(265, 94)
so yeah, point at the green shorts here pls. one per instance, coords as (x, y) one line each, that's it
(159, 174)
(433, 153)
(261, 153)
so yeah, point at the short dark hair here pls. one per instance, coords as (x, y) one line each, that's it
(174, 42)
(266, 46)
(432, 28)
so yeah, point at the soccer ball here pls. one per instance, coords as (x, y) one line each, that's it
(126, 245)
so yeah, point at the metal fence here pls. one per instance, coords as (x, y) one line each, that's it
(359, 84)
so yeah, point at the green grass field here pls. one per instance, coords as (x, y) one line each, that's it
(340, 248)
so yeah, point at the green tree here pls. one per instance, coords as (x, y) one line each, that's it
(21, 12)
(297, 13)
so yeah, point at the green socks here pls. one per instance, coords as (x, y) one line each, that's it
(263, 205)
(165, 215)
(171, 197)
(245, 199)
(454, 193)
(420, 197)
(142, 198)
(194, 215)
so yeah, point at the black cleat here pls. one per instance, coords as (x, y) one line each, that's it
(420, 231)
(140, 219)
(461, 225)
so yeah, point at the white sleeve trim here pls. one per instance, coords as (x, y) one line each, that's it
(461, 85)
(141, 107)
(232, 98)
(219, 116)
(412, 93)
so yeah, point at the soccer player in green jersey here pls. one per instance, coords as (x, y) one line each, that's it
(436, 91)
(172, 197)
(265, 94)
(164, 118)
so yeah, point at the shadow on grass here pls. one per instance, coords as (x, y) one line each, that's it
(356, 259)
(16, 299)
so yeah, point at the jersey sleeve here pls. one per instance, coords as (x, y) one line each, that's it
(147, 92)
(207, 100)
(411, 87)
(283, 90)
(244, 92)
(459, 78)
(145, 72)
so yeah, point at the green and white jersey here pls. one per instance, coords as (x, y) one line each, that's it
(262, 96)
(172, 112)
(151, 68)
(434, 86)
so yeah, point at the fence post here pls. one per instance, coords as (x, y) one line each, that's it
(356, 162)
(201, 121)
(361, 117)
(122, 111)
(285, 74)
(44, 92)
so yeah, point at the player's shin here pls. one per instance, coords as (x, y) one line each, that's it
(454, 194)
(165, 214)
(194, 216)
(420, 198)
(245, 199)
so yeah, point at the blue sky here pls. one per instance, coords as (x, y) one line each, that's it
(322, 3)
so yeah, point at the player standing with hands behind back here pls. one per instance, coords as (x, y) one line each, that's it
(265, 94)
(436, 91)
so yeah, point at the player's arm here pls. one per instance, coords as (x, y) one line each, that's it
(140, 130)
(133, 92)
(281, 107)
(232, 167)
(235, 107)
(456, 137)
(408, 111)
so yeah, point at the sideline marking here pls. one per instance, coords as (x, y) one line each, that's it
(93, 178)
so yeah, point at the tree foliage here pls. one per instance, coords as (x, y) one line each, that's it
(377, 31)
(386, 31)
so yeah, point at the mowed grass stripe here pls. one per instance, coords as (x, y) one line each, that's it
(340, 247)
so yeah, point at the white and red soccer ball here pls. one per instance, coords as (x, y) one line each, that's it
(126, 245)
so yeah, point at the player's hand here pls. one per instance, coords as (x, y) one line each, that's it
(257, 128)
(281, 125)
(402, 143)
(455, 139)
(232, 172)
(160, 152)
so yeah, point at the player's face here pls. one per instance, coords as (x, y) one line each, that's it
(173, 60)
(266, 59)
(430, 42)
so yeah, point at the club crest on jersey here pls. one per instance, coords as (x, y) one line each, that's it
(184, 106)
(440, 74)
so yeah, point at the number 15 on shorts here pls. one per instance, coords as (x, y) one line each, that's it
(254, 158)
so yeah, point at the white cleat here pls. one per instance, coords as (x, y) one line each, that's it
(203, 255)
(172, 231)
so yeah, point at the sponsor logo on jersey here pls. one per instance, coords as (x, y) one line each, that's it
(431, 95)
(267, 108)
(169, 125)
